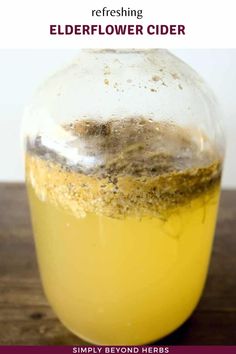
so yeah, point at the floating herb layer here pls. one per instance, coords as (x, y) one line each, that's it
(131, 167)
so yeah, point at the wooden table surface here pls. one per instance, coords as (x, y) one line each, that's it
(27, 319)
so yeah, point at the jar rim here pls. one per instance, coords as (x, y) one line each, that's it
(121, 50)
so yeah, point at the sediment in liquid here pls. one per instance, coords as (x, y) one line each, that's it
(124, 233)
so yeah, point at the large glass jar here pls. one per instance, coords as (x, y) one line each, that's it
(123, 155)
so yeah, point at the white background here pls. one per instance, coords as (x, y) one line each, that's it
(21, 71)
(25, 24)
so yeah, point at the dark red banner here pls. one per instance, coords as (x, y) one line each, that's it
(118, 349)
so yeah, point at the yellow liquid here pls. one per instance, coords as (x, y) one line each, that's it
(124, 281)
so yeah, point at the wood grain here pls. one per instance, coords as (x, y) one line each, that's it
(27, 319)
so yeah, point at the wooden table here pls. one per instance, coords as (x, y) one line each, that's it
(26, 318)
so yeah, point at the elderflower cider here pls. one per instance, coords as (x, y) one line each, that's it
(123, 164)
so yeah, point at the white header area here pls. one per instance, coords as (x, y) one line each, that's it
(207, 24)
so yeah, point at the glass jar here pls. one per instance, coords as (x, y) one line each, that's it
(123, 155)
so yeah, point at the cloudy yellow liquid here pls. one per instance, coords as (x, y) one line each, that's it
(124, 281)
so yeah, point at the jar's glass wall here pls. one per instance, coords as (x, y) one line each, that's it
(124, 155)
(105, 84)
